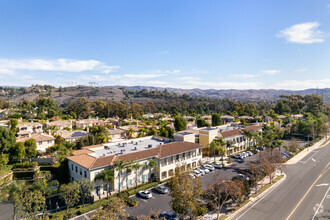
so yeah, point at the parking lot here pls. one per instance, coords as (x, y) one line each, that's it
(160, 202)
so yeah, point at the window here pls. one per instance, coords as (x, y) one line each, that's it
(144, 177)
(80, 172)
(72, 179)
(39, 142)
(177, 157)
(189, 154)
(164, 175)
(121, 185)
(129, 183)
(49, 142)
(172, 158)
(85, 174)
(105, 187)
(76, 169)
(170, 172)
(183, 156)
(71, 166)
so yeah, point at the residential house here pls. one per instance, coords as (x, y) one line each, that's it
(82, 124)
(4, 124)
(116, 134)
(43, 140)
(24, 129)
(71, 136)
(60, 124)
(227, 119)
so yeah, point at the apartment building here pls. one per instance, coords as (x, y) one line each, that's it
(90, 161)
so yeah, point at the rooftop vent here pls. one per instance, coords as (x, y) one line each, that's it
(149, 145)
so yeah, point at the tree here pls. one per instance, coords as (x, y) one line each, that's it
(130, 132)
(136, 168)
(14, 191)
(229, 144)
(46, 188)
(85, 188)
(7, 140)
(216, 119)
(218, 193)
(31, 202)
(152, 165)
(180, 123)
(70, 194)
(19, 151)
(119, 166)
(215, 147)
(222, 151)
(13, 122)
(200, 122)
(114, 211)
(184, 194)
(4, 159)
(31, 148)
(257, 172)
(270, 162)
(108, 177)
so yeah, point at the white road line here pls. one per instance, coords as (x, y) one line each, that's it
(317, 210)
(257, 202)
(309, 158)
(323, 184)
(313, 159)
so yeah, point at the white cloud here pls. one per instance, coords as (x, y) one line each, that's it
(64, 65)
(304, 33)
(190, 78)
(7, 72)
(144, 76)
(301, 70)
(302, 84)
(270, 72)
(246, 76)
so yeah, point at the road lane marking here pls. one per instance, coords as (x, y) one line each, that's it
(317, 210)
(309, 157)
(257, 202)
(323, 184)
(321, 174)
(313, 159)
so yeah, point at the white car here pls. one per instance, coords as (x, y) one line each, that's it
(209, 167)
(145, 194)
(192, 175)
(249, 153)
(237, 156)
(244, 154)
(217, 165)
(200, 172)
(205, 170)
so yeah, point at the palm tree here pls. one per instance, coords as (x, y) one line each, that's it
(222, 151)
(14, 191)
(248, 135)
(214, 146)
(229, 145)
(151, 164)
(136, 167)
(119, 166)
(130, 132)
(108, 177)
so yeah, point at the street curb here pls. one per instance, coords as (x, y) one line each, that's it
(252, 200)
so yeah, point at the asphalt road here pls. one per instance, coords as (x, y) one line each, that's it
(296, 198)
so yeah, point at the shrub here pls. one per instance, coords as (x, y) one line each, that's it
(26, 164)
(230, 162)
(131, 202)
(202, 211)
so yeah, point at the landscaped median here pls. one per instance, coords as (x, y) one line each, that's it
(79, 210)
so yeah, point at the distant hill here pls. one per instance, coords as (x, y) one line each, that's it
(116, 93)
(249, 94)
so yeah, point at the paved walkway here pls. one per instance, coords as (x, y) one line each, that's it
(305, 152)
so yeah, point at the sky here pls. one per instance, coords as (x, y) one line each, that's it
(209, 44)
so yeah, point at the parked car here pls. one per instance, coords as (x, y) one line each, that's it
(145, 194)
(197, 173)
(244, 154)
(249, 153)
(261, 148)
(205, 170)
(237, 156)
(284, 153)
(192, 175)
(241, 176)
(161, 189)
(168, 216)
(209, 167)
(202, 172)
(217, 165)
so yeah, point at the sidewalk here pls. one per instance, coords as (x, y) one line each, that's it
(305, 152)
